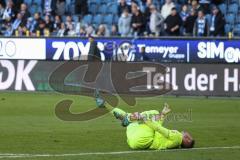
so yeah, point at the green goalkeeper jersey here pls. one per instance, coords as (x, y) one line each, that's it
(141, 136)
(173, 141)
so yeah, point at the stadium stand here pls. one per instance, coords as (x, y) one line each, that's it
(87, 16)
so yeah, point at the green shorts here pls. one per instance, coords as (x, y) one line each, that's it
(139, 136)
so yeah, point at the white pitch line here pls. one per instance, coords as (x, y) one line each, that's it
(12, 155)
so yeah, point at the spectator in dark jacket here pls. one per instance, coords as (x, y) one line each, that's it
(138, 21)
(57, 23)
(17, 3)
(122, 6)
(81, 7)
(201, 25)
(25, 13)
(217, 23)
(48, 23)
(189, 23)
(173, 23)
(147, 12)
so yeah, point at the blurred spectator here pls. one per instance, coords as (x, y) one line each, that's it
(57, 22)
(1, 11)
(114, 31)
(81, 7)
(204, 5)
(71, 31)
(217, 2)
(22, 30)
(122, 6)
(9, 12)
(69, 22)
(40, 28)
(3, 2)
(29, 23)
(60, 7)
(195, 5)
(90, 30)
(48, 6)
(201, 25)
(189, 23)
(17, 22)
(25, 13)
(62, 31)
(102, 31)
(184, 12)
(166, 8)
(124, 24)
(17, 4)
(138, 21)
(217, 22)
(173, 23)
(35, 23)
(82, 32)
(156, 21)
(48, 23)
(8, 30)
(77, 27)
(147, 12)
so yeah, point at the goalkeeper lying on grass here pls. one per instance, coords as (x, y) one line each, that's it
(145, 130)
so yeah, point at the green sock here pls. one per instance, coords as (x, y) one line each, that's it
(119, 111)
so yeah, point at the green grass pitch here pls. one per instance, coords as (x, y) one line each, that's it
(28, 125)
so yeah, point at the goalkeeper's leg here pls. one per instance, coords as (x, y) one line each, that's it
(116, 112)
(127, 118)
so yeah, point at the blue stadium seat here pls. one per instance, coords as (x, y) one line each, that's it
(102, 9)
(104, 2)
(233, 8)
(178, 7)
(93, 8)
(75, 18)
(230, 18)
(113, 9)
(34, 8)
(115, 19)
(68, 2)
(182, 1)
(28, 2)
(223, 8)
(228, 28)
(38, 2)
(236, 30)
(97, 19)
(108, 19)
(87, 19)
(98, 2)
(238, 19)
(233, 1)
(64, 17)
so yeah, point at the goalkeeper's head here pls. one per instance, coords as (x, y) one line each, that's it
(187, 141)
